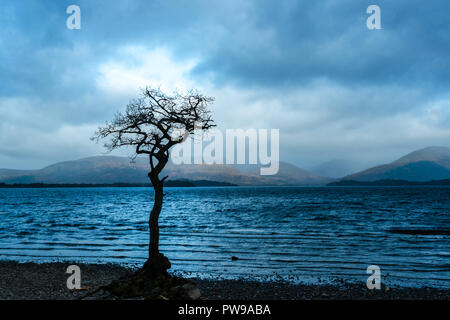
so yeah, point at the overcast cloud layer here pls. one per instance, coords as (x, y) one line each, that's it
(335, 89)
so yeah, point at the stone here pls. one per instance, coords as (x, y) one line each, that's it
(156, 290)
(192, 291)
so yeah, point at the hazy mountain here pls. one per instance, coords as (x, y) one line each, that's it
(431, 163)
(9, 173)
(438, 155)
(288, 174)
(110, 169)
(337, 168)
(89, 170)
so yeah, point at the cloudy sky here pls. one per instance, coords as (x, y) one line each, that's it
(335, 89)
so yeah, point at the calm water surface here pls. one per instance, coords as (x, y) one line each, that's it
(298, 233)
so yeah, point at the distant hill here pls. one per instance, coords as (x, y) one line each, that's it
(427, 164)
(11, 174)
(345, 183)
(438, 155)
(167, 183)
(337, 168)
(111, 170)
(288, 174)
(94, 170)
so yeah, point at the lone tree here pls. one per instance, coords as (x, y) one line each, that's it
(151, 125)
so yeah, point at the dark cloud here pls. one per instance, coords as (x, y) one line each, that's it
(311, 68)
(307, 40)
(250, 43)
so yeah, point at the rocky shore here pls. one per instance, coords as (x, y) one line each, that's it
(31, 281)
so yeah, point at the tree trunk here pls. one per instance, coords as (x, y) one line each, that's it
(153, 248)
(157, 264)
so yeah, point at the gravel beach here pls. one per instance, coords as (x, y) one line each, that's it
(31, 281)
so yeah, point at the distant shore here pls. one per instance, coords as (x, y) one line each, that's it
(209, 183)
(32, 281)
(388, 183)
(168, 183)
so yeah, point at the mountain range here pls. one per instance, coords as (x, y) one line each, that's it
(112, 169)
(432, 163)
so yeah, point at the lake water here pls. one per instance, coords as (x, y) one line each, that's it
(297, 233)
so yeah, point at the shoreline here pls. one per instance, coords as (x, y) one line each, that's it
(47, 281)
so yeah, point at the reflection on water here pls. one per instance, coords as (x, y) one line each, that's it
(294, 232)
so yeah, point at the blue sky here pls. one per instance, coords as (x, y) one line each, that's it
(335, 89)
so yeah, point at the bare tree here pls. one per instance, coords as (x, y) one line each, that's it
(151, 125)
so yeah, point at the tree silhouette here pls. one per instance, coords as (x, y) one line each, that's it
(151, 125)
